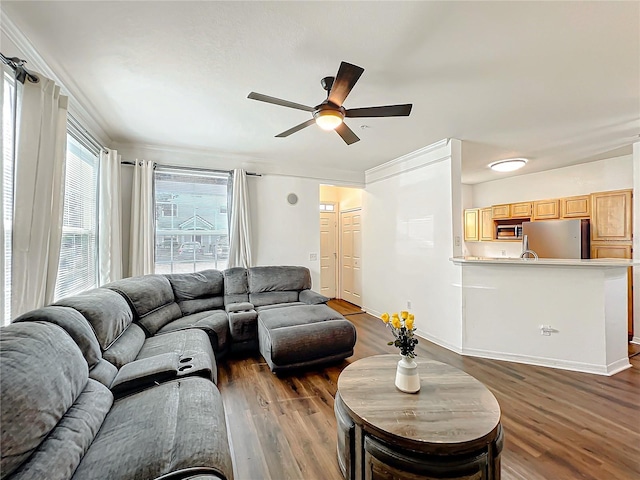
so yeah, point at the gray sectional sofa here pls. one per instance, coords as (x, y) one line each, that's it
(119, 382)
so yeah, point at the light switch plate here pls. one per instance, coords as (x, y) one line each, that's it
(313, 257)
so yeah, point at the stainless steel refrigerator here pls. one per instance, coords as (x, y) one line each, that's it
(558, 238)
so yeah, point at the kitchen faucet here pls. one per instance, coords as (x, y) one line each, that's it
(525, 249)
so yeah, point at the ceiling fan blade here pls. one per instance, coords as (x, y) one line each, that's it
(347, 134)
(296, 128)
(346, 78)
(386, 111)
(278, 101)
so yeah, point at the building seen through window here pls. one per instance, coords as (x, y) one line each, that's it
(192, 231)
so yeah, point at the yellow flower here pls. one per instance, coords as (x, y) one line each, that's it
(404, 314)
(409, 322)
(385, 317)
(395, 321)
(411, 317)
(394, 315)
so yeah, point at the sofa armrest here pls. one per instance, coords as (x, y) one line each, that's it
(143, 373)
(238, 307)
(312, 298)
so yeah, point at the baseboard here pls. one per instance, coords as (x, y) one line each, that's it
(371, 312)
(635, 340)
(438, 341)
(596, 369)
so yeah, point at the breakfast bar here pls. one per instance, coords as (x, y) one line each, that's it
(562, 313)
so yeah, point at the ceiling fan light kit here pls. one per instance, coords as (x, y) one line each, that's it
(329, 115)
(508, 164)
(328, 119)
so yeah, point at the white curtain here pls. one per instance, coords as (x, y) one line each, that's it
(41, 146)
(239, 231)
(109, 218)
(142, 223)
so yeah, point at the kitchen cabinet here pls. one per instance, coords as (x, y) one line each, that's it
(575, 207)
(501, 211)
(471, 224)
(487, 226)
(546, 209)
(521, 210)
(611, 216)
(610, 250)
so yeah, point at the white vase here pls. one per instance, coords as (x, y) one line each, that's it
(407, 378)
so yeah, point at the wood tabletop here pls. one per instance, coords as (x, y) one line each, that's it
(451, 407)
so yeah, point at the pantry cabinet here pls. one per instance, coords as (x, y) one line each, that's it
(611, 216)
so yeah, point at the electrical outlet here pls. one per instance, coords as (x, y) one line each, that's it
(408, 304)
(457, 241)
(313, 257)
(503, 253)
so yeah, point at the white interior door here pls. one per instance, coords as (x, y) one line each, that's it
(350, 258)
(328, 254)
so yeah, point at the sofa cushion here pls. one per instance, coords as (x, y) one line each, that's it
(278, 279)
(74, 324)
(82, 333)
(277, 305)
(196, 292)
(151, 299)
(126, 348)
(272, 298)
(214, 323)
(106, 311)
(171, 427)
(236, 286)
(50, 409)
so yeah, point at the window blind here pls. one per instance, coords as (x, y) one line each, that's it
(77, 269)
(8, 85)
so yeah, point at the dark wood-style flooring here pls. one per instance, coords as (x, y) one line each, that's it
(558, 425)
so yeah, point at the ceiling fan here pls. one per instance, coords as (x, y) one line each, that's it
(329, 115)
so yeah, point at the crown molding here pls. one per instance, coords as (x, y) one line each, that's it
(79, 105)
(203, 158)
(434, 153)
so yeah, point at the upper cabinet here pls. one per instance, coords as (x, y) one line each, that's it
(486, 224)
(471, 230)
(501, 211)
(611, 216)
(546, 209)
(521, 210)
(575, 207)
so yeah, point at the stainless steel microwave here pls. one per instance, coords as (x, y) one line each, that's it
(506, 232)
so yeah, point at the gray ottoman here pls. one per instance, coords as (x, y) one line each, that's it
(303, 335)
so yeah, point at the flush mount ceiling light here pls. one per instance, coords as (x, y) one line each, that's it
(508, 165)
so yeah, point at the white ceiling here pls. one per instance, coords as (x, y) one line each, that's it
(556, 82)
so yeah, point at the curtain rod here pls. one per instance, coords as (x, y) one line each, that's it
(208, 170)
(21, 73)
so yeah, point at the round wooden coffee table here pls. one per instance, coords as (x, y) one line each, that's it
(449, 429)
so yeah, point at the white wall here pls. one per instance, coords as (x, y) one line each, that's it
(610, 174)
(284, 234)
(408, 238)
(636, 242)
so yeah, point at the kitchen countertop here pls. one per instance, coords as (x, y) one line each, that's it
(561, 262)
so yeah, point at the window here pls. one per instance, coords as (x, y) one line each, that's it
(192, 230)
(8, 84)
(77, 269)
(327, 207)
